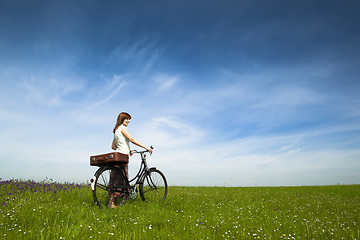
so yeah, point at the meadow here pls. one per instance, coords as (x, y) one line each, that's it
(50, 210)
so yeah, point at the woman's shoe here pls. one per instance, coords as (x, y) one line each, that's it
(111, 205)
(112, 202)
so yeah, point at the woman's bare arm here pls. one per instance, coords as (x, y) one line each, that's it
(133, 140)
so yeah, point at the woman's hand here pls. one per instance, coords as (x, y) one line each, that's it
(150, 150)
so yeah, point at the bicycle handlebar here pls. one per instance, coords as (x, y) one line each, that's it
(136, 151)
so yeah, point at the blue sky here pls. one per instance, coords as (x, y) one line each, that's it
(230, 93)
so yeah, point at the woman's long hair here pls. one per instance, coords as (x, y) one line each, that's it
(120, 120)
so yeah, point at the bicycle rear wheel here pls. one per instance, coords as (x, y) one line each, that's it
(106, 180)
(153, 186)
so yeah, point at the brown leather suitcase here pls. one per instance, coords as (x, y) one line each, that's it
(109, 158)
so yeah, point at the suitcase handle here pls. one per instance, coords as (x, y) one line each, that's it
(111, 156)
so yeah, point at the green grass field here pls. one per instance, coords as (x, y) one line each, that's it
(50, 210)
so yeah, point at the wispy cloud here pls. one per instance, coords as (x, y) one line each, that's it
(108, 89)
(290, 96)
(50, 91)
(138, 56)
(165, 82)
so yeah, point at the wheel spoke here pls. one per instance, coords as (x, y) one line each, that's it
(102, 186)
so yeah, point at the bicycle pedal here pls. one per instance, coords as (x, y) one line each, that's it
(122, 202)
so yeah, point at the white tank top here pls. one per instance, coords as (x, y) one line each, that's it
(121, 142)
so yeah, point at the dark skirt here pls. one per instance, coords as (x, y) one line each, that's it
(116, 180)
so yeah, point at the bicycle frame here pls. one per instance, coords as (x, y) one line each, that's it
(143, 167)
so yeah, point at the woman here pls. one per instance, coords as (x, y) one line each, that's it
(121, 143)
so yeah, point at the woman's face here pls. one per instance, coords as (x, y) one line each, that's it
(126, 122)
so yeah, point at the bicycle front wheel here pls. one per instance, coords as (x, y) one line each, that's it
(106, 180)
(153, 186)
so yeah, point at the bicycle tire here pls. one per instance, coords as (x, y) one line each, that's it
(153, 186)
(102, 184)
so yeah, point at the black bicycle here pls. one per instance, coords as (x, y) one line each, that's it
(150, 182)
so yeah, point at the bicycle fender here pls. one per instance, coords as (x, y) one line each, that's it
(93, 183)
(152, 168)
(99, 169)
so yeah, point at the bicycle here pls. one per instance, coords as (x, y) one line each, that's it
(152, 183)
